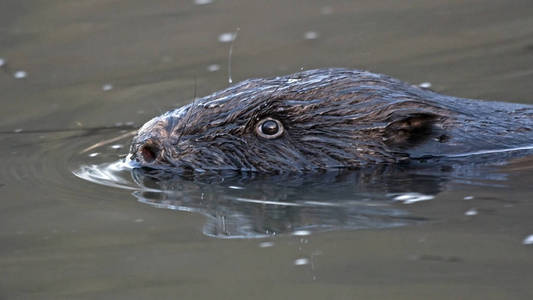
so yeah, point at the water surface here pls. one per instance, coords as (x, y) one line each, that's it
(96, 70)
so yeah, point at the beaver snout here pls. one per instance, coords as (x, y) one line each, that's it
(152, 142)
(150, 151)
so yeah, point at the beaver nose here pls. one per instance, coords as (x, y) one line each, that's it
(150, 151)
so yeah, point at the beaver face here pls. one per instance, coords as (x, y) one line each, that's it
(318, 119)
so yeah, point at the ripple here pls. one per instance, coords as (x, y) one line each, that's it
(255, 207)
(109, 174)
(250, 205)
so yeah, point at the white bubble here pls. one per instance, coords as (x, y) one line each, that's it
(202, 2)
(94, 154)
(409, 198)
(471, 212)
(107, 87)
(2, 62)
(301, 233)
(425, 85)
(266, 244)
(311, 35)
(20, 74)
(138, 220)
(18, 130)
(213, 68)
(226, 37)
(117, 146)
(234, 187)
(468, 197)
(528, 240)
(301, 261)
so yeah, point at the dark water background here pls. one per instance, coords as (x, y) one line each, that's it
(98, 69)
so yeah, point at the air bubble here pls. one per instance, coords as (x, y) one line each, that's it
(213, 68)
(471, 212)
(311, 35)
(410, 198)
(20, 74)
(425, 85)
(226, 37)
(107, 87)
(301, 261)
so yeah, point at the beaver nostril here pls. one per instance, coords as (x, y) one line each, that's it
(150, 152)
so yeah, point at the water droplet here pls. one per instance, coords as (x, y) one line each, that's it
(107, 87)
(301, 261)
(202, 2)
(528, 240)
(18, 130)
(213, 68)
(234, 187)
(94, 154)
(468, 197)
(20, 74)
(226, 37)
(117, 146)
(471, 212)
(409, 198)
(311, 35)
(301, 233)
(425, 85)
(266, 244)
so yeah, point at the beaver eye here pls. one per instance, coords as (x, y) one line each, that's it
(269, 128)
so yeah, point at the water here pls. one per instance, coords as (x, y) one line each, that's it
(97, 70)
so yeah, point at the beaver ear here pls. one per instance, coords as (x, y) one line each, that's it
(407, 129)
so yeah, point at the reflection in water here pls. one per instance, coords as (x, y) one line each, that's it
(254, 205)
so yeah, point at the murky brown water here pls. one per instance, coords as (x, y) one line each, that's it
(98, 69)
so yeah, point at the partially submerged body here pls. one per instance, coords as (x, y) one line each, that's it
(323, 119)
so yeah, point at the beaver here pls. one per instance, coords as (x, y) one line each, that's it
(325, 119)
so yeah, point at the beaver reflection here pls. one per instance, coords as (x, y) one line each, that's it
(256, 205)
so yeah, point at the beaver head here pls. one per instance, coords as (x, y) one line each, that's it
(313, 120)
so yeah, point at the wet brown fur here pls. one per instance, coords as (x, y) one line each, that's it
(333, 118)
